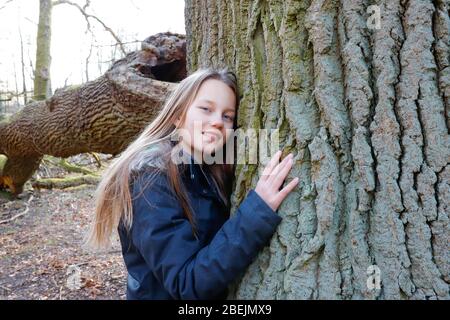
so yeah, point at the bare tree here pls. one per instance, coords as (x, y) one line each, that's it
(22, 60)
(42, 83)
(87, 61)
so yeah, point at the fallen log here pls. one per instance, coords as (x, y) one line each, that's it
(63, 183)
(102, 116)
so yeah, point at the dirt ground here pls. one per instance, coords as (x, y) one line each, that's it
(41, 253)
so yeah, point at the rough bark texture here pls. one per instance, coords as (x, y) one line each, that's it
(103, 115)
(366, 113)
(42, 84)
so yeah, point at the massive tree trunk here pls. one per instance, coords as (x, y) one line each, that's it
(103, 115)
(366, 113)
(42, 84)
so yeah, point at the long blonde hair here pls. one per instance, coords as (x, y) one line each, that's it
(113, 203)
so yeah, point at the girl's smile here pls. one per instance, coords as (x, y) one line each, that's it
(210, 136)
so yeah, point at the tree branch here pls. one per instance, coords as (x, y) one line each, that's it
(4, 4)
(19, 214)
(87, 16)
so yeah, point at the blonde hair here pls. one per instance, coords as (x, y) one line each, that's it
(113, 203)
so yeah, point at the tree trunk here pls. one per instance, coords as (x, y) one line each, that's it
(42, 85)
(366, 113)
(22, 60)
(103, 115)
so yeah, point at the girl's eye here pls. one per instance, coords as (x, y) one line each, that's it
(204, 108)
(229, 118)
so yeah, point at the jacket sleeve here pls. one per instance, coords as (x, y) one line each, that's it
(186, 269)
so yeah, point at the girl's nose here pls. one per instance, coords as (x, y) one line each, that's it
(217, 120)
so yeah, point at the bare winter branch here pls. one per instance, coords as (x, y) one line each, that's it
(5, 4)
(88, 16)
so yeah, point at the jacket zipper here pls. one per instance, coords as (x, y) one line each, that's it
(206, 177)
(214, 188)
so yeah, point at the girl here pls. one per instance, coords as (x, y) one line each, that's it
(177, 239)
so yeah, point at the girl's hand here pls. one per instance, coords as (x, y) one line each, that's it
(268, 186)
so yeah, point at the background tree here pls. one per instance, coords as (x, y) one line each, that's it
(365, 111)
(22, 65)
(42, 82)
(42, 79)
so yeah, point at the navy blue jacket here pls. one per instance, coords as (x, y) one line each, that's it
(165, 260)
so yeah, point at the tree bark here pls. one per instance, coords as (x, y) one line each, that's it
(366, 113)
(103, 115)
(42, 84)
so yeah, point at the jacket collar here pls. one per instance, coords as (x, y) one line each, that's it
(195, 168)
(188, 159)
(197, 173)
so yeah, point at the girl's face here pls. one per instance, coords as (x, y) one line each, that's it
(207, 119)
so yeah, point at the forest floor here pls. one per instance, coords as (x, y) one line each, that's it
(41, 252)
